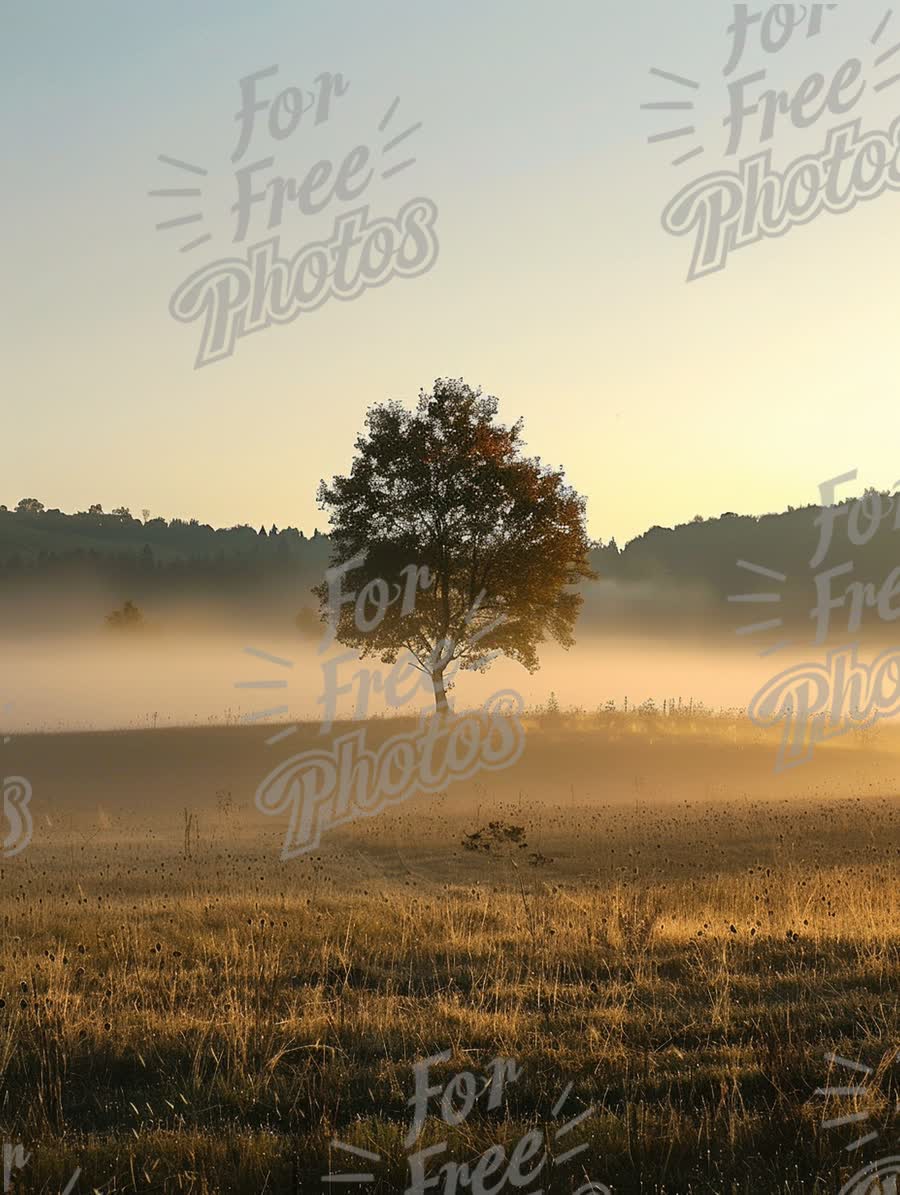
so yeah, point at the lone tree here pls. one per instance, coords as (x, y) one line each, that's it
(129, 618)
(502, 538)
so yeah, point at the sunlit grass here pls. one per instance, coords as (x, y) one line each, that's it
(210, 1023)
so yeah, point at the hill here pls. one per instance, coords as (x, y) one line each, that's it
(59, 569)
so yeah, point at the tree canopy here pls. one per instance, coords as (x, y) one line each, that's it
(447, 488)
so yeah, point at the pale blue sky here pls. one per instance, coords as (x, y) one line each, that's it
(555, 286)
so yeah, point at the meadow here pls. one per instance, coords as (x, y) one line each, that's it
(639, 908)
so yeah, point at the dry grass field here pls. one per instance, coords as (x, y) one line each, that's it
(656, 919)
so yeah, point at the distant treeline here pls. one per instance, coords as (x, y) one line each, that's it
(71, 569)
(30, 534)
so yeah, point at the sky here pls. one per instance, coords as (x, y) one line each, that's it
(554, 284)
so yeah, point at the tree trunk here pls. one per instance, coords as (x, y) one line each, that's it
(440, 694)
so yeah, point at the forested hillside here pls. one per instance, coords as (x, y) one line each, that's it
(60, 569)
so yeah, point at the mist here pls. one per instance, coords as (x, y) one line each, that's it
(55, 681)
